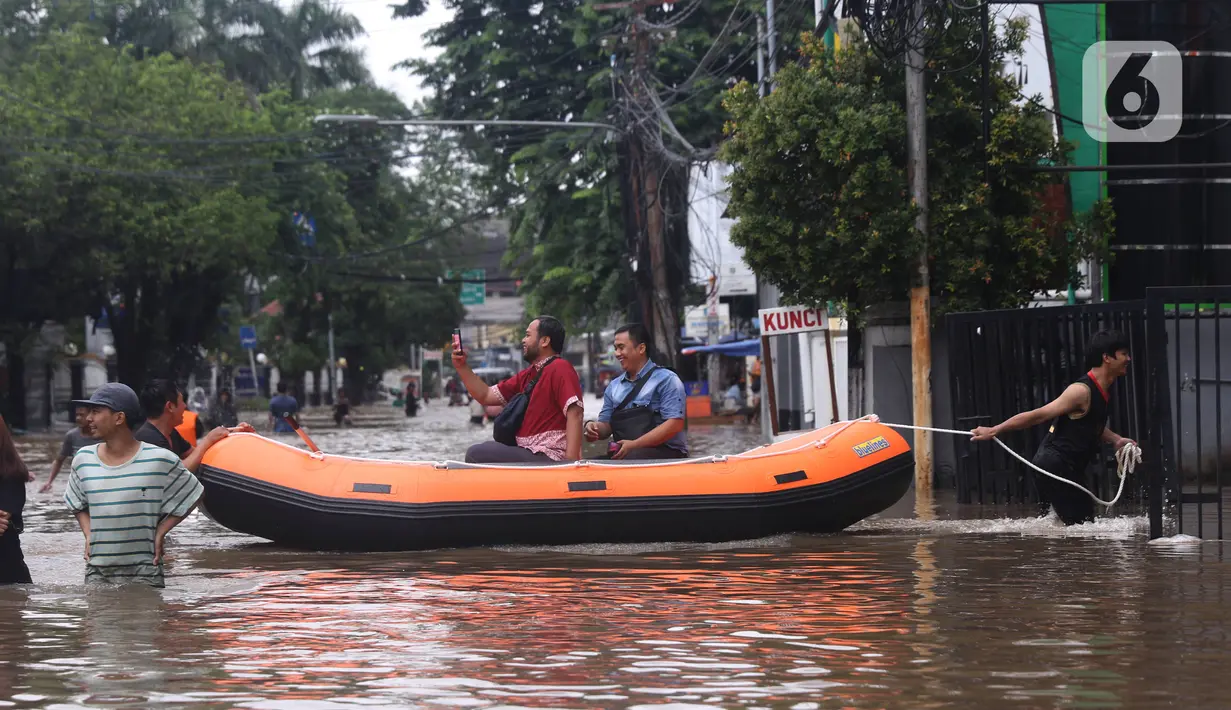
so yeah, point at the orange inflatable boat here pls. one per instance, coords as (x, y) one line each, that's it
(822, 481)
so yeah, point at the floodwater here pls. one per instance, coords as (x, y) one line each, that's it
(896, 612)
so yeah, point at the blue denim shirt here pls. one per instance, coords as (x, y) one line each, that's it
(663, 393)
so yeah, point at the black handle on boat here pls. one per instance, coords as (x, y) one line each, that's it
(290, 419)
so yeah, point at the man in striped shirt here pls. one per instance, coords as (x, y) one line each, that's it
(126, 494)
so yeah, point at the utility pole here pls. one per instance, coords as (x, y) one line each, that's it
(760, 56)
(711, 318)
(920, 300)
(646, 179)
(767, 294)
(333, 363)
(771, 41)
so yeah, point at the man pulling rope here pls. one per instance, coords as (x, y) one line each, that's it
(1079, 428)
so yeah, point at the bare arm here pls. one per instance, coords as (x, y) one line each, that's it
(1117, 441)
(164, 527)
(193, 460)
(1075, 398)
(55, 471)
(478, 389)
(572, 431)
(83, 519)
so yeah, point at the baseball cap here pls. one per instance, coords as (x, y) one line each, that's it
(117, 397)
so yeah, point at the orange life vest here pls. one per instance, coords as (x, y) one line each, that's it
(188, 428)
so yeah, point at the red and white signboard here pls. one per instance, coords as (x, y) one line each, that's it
(793, 319)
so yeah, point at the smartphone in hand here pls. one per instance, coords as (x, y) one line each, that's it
(457, 339)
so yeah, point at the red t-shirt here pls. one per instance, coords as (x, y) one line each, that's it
(543, 428)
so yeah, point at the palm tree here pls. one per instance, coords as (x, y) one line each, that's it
(308, 47)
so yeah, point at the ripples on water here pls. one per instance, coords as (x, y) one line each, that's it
(893, 613)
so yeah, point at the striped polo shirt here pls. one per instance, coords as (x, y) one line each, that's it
(126, 503)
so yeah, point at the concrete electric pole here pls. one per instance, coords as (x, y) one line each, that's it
(920, 299)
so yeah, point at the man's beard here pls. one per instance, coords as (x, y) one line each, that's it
(531, 354)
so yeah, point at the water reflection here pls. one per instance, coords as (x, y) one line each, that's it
(945, 613)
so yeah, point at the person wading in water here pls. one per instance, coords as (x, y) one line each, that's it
(1079, 427)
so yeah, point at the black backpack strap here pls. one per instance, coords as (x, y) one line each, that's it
(535, 381)
(636, 389)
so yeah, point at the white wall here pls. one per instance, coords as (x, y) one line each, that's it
(709, 234)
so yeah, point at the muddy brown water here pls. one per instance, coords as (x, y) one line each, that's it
(898, 611)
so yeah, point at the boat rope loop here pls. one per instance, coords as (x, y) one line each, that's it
(1127, 459)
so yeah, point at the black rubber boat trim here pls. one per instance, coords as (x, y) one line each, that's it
(214, 477)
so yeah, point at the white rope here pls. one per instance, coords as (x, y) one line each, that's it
(1127, 459)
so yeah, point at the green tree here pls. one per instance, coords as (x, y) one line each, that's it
(820, 189)
(382, 239)
(307, 46)
(130, 167)
(566, 192)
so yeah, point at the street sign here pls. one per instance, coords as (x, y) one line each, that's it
(474, 286)
(793, 319)
(247, 337)
(306, 226)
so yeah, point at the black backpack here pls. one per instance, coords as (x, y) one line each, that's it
(508, 422)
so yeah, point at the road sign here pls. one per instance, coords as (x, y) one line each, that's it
(793, 319)
(306, 226)
(474, 285)
(247, 337)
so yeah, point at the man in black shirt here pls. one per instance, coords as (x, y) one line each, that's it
(164, 407)
(1079, 427)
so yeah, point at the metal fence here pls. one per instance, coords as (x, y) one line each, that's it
(1188, 493)
(1010, 361)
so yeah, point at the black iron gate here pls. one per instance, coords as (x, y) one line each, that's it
(1009, 361)
(1005, 362)
(1185, 326)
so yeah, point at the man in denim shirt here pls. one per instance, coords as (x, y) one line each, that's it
(663, 393)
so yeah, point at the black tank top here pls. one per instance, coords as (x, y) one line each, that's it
(1078, 440)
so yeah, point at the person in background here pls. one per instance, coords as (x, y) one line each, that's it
(412, 401)
(341, 408)
(76, 438)
(199, 403)
(13, 478)
(141, 491)
(223, 411)
(734, 397)
(281, 405)
(551, 428)
(650, 423)
(163, 404)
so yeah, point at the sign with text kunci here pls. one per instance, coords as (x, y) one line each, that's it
(793, 319)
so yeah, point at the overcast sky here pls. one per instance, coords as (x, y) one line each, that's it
(390, 41)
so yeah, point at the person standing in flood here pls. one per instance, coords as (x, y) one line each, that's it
(341, 408)
(411, 400)
(1079, 427)
(13, 478)
(281, 405)
(223, 412)
(76, 438)
(163, 403)
(126, 494)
